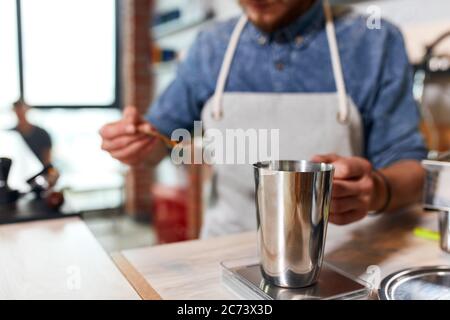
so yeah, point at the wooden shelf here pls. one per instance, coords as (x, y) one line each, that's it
(172, 28)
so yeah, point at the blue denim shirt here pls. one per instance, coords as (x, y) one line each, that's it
(296, 58)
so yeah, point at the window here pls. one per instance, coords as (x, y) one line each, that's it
(62, 57)
(9, 60)
(69, 52)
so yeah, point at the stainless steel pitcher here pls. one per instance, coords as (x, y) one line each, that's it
(292, 202)
(437, 196)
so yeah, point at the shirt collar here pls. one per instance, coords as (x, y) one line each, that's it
(302, 27)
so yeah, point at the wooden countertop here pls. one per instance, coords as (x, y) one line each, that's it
(57, 259)
(191, 270)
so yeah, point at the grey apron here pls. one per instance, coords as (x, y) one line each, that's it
(308, 123)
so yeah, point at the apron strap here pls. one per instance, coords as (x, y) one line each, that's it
(226, 65)
(335, 60)
(336, 63)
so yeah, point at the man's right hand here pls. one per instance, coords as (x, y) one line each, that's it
(125, 142)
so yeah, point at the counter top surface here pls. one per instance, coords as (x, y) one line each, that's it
(57, 259)
(25, 210)
(191, 270)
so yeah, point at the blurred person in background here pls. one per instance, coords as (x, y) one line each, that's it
(37, 139)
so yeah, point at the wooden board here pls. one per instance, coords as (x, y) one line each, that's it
(188, 270)
(191, 270)
(57, 259)
(144, 289)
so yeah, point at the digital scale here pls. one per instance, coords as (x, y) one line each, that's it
(243, 277)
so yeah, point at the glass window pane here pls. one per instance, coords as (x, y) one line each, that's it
(9, 64)
(69, 52)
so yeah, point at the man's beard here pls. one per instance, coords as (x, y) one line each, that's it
(295, 9)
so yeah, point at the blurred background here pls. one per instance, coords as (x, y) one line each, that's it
(74, 64)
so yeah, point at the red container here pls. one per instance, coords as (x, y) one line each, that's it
(170, 213)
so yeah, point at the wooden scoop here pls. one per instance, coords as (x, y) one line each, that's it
(154, 133)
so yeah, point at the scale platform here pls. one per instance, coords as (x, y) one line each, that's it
(243, 277)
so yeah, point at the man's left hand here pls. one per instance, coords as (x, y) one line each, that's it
(353, 187)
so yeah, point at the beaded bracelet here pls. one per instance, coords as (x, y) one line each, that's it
(388, 186)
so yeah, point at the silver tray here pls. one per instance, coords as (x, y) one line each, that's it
(423, 283)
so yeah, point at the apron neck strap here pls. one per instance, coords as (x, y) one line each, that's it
(335, 60)
(226, 65)
(336, 63)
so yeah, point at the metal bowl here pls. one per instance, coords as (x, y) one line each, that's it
(421, 283)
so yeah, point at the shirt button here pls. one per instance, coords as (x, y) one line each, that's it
(262, 40)
(279, 66)
(298, 41)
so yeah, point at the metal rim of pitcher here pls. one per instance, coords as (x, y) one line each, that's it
(300, 166)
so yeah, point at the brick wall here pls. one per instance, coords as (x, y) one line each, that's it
(137, 87)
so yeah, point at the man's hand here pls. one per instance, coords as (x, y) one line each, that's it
(353, 188)
(125, 142)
